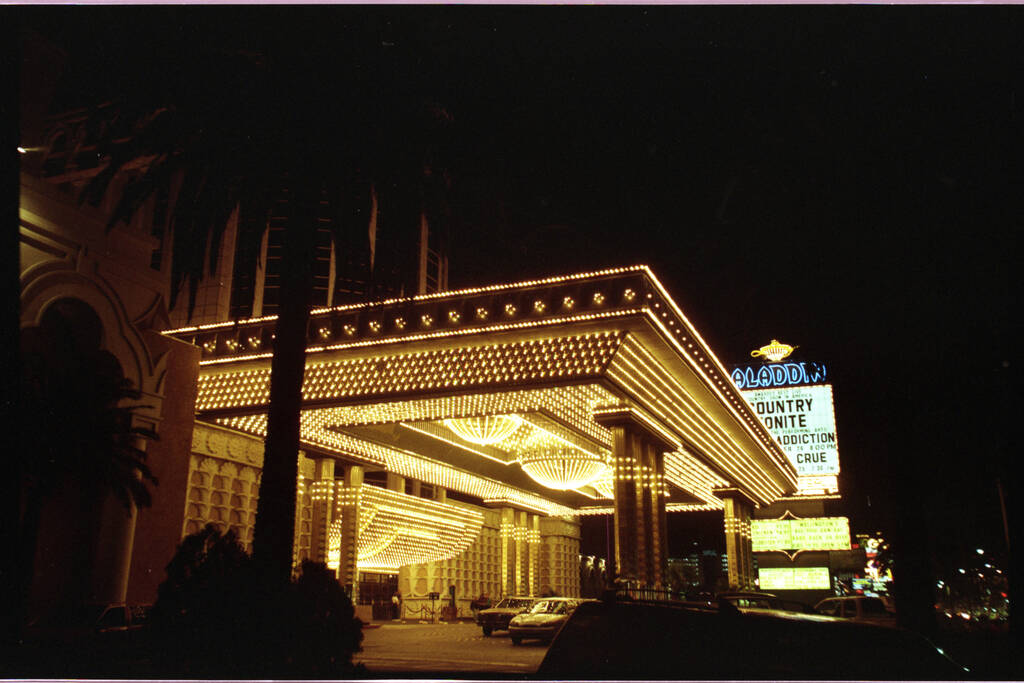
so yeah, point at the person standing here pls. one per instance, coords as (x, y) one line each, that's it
(396, 605)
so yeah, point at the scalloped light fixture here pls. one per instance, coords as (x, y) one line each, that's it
(485, 431)
(562, 467)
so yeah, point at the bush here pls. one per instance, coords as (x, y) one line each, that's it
(216, 617)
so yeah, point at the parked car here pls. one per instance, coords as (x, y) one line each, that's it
(497, 617)
(542, 621)
(71, 623)
(758, 600)
(861, 608)
(626, 639)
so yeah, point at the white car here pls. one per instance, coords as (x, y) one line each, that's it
(543, 620)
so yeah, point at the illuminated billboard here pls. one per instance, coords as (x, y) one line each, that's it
(802, 419)
(811, 533)
(793, 578)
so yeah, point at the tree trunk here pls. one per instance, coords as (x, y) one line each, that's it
(274, 532)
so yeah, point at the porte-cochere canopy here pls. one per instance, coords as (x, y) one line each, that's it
(505, 392)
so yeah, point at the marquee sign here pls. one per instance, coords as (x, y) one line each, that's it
(794, 578)
(802, 420)
(811, 533)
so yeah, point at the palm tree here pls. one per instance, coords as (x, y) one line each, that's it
(237, 129)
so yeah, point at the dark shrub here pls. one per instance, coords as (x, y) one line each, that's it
(215, 617)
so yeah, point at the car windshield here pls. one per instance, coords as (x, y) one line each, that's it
(514, 603)
(550, 607)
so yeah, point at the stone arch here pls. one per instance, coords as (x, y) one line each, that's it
(119, 337)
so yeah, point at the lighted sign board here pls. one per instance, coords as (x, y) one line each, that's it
(803, 421)
(764, 376)
(793, 578)
(811, 533)
(817, 486)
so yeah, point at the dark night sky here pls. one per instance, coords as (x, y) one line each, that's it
(846, 179)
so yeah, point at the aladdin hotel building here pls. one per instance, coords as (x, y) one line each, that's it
(448, 438)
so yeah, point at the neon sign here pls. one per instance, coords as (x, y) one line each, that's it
(774, 352)
(782, 375)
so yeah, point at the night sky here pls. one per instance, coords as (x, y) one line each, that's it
(844, 179)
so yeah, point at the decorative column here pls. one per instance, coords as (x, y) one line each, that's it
(112, 556)
(395, 482)
(348, 507)
(653, 470)
(639, 444)
(113, 550)
(738, 545)
(323, 508)
(508, 551)
(533, 552)
(522, 554)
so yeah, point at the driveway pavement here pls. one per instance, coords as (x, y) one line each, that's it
(455, 650)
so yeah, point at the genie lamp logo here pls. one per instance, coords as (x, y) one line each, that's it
(774, 352)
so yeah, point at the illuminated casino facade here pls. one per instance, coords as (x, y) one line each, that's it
(447, 439)
(539, 401)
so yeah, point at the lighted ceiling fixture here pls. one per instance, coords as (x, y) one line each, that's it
(562, 467)
(487, 430)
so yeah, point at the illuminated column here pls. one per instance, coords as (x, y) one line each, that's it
(396, 483)
(628, 522)
(323, 508)
(649, 501)
(348, 507)
(639, 501)
(654, 509)
(508, 542)
(522, 554)
(417, 488)
(738, 547)
(440, 494)
(533, 544)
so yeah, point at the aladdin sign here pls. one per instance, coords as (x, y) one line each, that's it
(763, 376)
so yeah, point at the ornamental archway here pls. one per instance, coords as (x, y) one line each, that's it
(573, 395)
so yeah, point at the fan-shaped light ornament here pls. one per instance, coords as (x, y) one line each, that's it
(605, 484)
(487, 430)
(562, 467)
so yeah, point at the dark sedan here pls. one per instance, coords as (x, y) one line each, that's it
(498, 617)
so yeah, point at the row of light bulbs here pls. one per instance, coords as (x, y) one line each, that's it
(581, 355)
(400, 323)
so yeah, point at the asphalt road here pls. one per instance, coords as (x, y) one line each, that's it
(456, 649)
